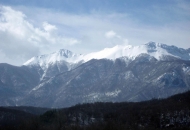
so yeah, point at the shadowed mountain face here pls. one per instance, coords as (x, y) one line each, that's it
(107, 80)
(15, 82)
(96, 80)
(61, 83)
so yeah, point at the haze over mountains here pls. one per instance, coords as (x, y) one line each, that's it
(121, 73)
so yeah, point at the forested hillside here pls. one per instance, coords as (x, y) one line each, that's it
(171, 113)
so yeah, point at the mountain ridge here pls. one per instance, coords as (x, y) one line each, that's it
(154, 49)
(157, 73)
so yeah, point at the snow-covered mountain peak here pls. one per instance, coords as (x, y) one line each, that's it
(157, 50)
(158, 46)
(65, 53)
(61, 55)
(155, 44)
(168, 48)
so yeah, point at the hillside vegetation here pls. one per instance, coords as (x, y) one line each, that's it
(171, 113)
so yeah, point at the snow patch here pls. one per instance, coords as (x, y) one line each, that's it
(186, 69)
(113, 93)
(94, 96)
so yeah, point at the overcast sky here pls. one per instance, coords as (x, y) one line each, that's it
(33, 27)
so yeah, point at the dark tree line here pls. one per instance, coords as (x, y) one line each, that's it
(171, 113)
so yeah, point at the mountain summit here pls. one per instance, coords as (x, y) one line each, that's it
(121, 73)
(157, 50)
(60, 55)
(65, 60)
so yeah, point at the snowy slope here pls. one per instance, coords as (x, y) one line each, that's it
(44, 61)
(156, 50)
(54, 63)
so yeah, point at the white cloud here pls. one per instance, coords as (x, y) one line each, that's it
(110, 34)
(115, 39)
(48, 27)
(20, 40)
(26, 35)
(90, 29)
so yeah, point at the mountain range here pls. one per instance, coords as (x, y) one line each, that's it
(121, 73)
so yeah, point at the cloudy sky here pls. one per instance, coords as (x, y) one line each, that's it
(35, 27)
